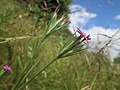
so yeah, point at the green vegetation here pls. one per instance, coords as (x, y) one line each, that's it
(28, 42)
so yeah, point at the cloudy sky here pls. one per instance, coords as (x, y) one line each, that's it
(97, 17)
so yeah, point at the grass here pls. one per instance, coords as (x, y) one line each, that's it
(70, 73)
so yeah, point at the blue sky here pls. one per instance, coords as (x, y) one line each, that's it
(105, 10)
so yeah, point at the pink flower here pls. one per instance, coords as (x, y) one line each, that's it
(7, 68)
(82, 34)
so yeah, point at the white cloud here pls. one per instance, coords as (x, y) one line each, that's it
(117, 17)
(94, 31)
(79, 16)
(100, 36)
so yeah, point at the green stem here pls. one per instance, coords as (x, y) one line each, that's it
(5, 40)
(2, 72)
(39, 47)
(93, 82)
(46, 66)
(25, 74)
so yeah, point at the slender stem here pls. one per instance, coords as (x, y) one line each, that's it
(5, 40)
(27, 88)
(30, 63)
(2, 72)
(95, 78)
(47, 65)
(39, 47)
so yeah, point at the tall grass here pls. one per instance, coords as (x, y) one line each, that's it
(44, 56)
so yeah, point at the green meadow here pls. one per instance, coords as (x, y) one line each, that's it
(36, 43)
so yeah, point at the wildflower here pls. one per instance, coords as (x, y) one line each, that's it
(82, 34)
(7, 68)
